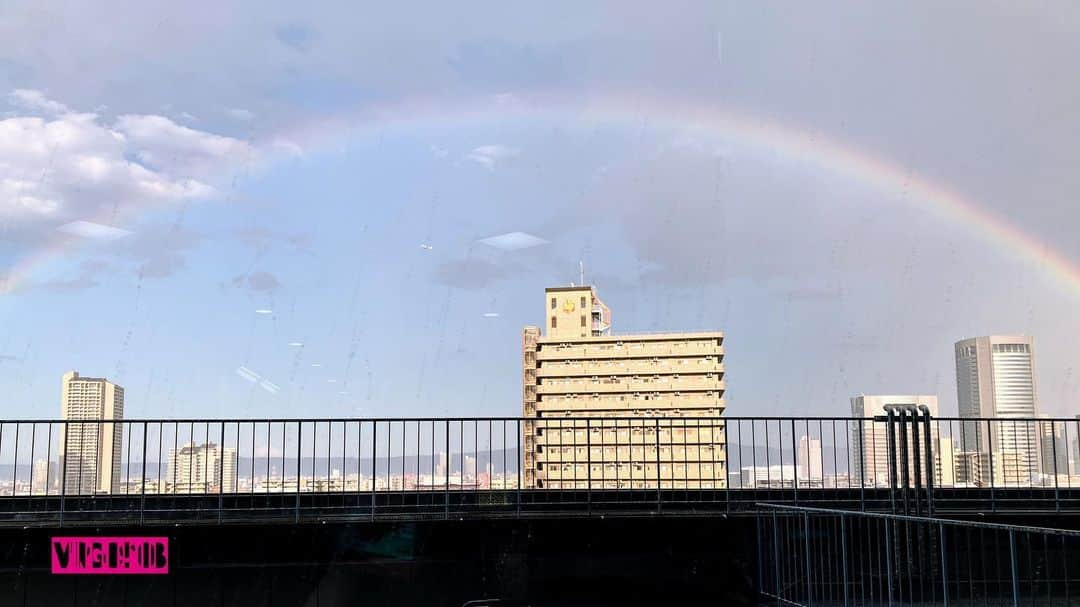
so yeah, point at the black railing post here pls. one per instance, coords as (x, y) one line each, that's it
(520, 462)
(375, 459)
(1053, 442)
(990, 461)
(794, 463)
(588, 464)
(888, 558)
(891, 444)
(659, 502)
(726, 463)
(916, 459)
(64, 439)
(299, 465)
(142, 496)
(843, 557)
(862, 465)
(446, 488)
(776, 553)
(1013, 569)
(221, 468)
(806, 568)
(944, 564)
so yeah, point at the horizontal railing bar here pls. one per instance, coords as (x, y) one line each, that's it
(688, 419)
(918, 519)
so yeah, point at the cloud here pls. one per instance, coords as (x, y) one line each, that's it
(36, 101)
(72, 166)
(257, 282)
(513, 241)
(295, 36)
(489, 155)
(164, 145)
(158, 250)
(96, 231)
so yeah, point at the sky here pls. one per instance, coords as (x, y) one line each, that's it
(257, 209)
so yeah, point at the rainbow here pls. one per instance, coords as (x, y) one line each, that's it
(680, 117)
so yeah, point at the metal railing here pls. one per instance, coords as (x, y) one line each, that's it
(815, 556)
(165, 469)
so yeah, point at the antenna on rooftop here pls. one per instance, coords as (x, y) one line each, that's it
(581, 270)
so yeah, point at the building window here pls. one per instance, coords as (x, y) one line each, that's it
(554, 322)
(552, 303)
(583, 303)
(583, 320)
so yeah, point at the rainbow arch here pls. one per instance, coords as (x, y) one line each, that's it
(674, 115)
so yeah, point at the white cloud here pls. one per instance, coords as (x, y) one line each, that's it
(36, 101)
(59, 165)
(489, 155)
(513, 241)
(175, 148)
(89, 229)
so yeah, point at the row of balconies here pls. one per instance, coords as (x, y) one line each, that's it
(704, 453)
(636, 349)
(631, 471)
(630, 366)
(662, 402)
(673, 436)
(636, 483)
(643, 416)
(607, 384)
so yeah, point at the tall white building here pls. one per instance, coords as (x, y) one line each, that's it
(995, 378)
(90, 450)
(870, 440)
(810, 461)
(201, 469)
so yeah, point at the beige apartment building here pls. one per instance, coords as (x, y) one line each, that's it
(620, 411)
(205, 468)
(90, 452)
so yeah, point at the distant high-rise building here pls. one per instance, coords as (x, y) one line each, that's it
(995, 379)
(202, 469)
(1054, 447)
(1074, 454)
(90, 443)
(870, 440)
(579, 369)
(810, 461)
(44, 477)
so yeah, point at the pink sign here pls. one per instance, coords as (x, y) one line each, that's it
(110, 555)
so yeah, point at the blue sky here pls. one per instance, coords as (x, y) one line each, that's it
(265, 158)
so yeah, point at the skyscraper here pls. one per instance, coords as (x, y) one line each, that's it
(1054, 448)
(90, 445)
(204, 468)
(579, 369)
(995, 378)
(810, 461)
(870, 440)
